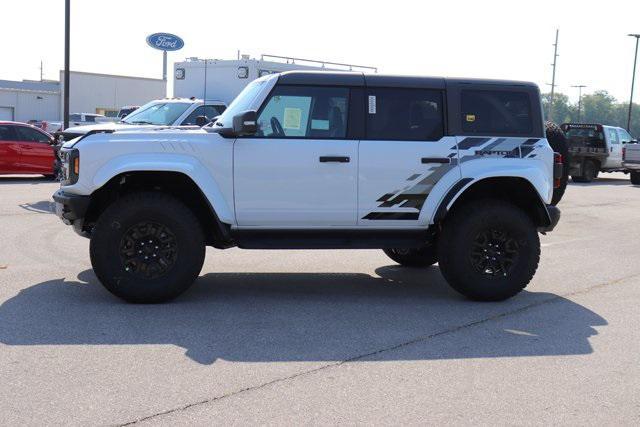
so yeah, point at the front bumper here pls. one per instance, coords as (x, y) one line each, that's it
(71, 208)
(554, 217)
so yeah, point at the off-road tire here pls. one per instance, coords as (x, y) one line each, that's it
(558, 142)
(458, 246)
(635, 177)
(422, 257)
(178, 245)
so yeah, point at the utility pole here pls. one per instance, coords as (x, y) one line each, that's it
(580, 87)
(633, 80)
(553, 77)
(67, 40)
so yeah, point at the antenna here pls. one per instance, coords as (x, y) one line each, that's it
(204, 99)
(553, 77)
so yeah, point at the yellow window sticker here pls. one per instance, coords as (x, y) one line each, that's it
(292, 118)
(471, 118)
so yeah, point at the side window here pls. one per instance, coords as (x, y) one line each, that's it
(6, 133)
(612, 136)
(493, 112)
(75, 117)
(30, 135)
(305, 112)
(624, 136)
(89, 118)
(404, 114)
(210, 111)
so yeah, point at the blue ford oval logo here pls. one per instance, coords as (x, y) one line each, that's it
(165, 41)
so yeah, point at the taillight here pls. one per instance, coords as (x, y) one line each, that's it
(557, 170)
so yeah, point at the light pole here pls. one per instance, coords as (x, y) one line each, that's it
(633, 80)
(579, 99)
(67, 38)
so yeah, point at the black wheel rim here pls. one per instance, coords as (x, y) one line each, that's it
(494, 252)
(148, 250)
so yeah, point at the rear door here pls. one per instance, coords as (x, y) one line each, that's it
(9, 149)
(300, 168)
(404, 155)
(36, 153)
(614, 159)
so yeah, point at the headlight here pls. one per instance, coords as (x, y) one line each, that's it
(70, 166)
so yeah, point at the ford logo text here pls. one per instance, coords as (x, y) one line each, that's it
(165, 41)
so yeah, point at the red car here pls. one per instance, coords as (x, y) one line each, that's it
(25, 149)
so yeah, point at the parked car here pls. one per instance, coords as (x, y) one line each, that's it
(595, 148)
(126, 110)
(26, 149)
(631, 161)
(305, 160)
(164, 112)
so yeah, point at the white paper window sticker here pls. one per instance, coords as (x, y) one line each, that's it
(372, 104)
(292, 118)
(320, 124)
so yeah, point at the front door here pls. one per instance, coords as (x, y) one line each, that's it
(300, 169)
(405, 154)
(614, 160)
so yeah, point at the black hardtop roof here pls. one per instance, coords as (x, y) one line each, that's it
(349, 78)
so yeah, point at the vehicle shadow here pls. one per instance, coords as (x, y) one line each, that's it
(21, 179)
(600, 181)
(43, 206)
(264, 317)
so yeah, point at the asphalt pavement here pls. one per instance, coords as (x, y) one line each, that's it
(323, 337)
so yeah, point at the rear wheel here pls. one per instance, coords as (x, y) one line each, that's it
(421, 257)
(147, 248)
(635, 177)
(489, 250)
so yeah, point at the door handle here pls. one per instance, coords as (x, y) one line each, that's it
(334, 159)
(436, 160)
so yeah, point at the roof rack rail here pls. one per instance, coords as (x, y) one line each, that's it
(292, 60)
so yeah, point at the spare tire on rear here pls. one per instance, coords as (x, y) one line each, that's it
(558, 142)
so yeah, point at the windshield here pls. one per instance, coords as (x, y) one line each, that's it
(241, 103)
(157, 113)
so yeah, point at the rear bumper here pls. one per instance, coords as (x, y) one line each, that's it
(631, 164)
(71, 208)
(554, 218)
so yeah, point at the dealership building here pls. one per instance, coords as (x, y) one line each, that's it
(90, 93)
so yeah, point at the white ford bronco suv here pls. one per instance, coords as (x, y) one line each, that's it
(454, 171)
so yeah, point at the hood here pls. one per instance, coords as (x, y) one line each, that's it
(81, 130)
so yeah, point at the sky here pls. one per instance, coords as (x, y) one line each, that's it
(459, 38)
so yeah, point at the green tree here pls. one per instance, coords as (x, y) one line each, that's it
(562, 109)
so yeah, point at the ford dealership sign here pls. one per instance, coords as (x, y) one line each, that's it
(165, 41)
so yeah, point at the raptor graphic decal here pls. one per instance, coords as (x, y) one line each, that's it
(418, 186)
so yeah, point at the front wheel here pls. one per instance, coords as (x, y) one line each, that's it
(420, 257)
(147, 248)
(635, 177)
(489, 250)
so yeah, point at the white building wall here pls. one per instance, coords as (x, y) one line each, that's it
(90, 91)
(31, 105)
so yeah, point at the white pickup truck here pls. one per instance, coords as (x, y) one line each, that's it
(453, 171)
(162, 112)
(631, 161)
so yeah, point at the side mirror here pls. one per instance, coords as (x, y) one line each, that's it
(202, 120)
(245, 123)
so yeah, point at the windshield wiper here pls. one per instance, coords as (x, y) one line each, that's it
(140, 122)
